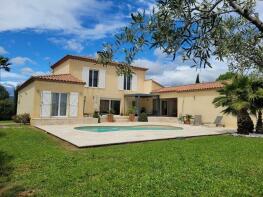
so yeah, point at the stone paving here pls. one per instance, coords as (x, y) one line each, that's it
(89, 139)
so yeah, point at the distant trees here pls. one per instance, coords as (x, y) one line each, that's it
(197, 79)
(226, 76)
(6, 105)
(4, 64)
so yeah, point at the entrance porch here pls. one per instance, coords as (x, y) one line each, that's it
(151, 104)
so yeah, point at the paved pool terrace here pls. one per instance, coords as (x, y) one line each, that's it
(90, 139)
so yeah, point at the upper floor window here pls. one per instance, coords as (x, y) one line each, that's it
(127, 82)
(93, 78)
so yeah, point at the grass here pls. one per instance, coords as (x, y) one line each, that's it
(6, 122)
(35, 162)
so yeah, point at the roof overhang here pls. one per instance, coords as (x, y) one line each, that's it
(89, 59)
(142, 95)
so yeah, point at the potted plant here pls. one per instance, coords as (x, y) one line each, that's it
(110, 116)
(131, 113)
(96, 115)
(187, 119)
(181, 118)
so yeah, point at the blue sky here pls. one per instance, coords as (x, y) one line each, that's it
(37, 33)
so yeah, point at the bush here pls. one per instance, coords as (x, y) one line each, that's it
(131, 110)
(143, 117)
(96, 115)
(22, 118)
(6, 109)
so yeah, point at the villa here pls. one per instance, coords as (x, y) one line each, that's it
(78, 86)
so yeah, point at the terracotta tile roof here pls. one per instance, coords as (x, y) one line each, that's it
(191, 87)
(68, 78)
(62, 78)
(88, 59)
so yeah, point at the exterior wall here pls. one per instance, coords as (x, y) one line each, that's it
(25, 102)
(62, 69)
(150, 85)
(32, 102)
(200, 103)
(111, 90)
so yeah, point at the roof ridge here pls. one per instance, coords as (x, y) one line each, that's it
(78, 57)
(193, 84)
(191, 87)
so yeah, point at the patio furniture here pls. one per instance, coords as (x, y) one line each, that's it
(217, 122)
(197, 120)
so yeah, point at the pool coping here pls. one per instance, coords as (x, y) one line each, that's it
(83, 139)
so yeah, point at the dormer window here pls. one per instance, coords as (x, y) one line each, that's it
(127, 82)
(93, 78)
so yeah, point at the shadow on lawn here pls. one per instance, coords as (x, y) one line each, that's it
(6, 169)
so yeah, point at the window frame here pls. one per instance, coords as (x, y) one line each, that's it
(91, 78)
(110, 104)
(127, 80)
(59, 103)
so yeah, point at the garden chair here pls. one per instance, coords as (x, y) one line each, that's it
(217, 122)
(197, 120)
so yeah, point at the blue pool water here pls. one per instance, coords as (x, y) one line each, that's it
(101, 129)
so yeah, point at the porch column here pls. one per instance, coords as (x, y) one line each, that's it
(158, 106)
(138, 106)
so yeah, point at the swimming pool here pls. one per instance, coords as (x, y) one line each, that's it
(101, 129)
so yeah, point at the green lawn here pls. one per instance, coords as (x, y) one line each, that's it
(207, 166)
(6, 122)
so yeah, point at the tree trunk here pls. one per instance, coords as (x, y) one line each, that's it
(244, 123)
(254, 20)
(259, 126)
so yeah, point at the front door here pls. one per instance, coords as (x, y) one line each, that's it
(164, 108)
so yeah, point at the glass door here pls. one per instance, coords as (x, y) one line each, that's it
(164, 108)
(59, 104)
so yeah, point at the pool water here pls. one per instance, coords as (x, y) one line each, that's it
(101, 129)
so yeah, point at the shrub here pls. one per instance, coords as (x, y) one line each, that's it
(6, 109)
(96, 115)
(131, 110)
(143, 117)
(22, 118)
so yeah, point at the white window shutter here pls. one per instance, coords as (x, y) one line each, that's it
(120, 82)
(73, 104)
(85, 75)
(134, 82)
(102, 78)
(45, 104)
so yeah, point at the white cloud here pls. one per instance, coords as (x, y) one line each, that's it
(177, 72)
(21, 60)
(60, 15)
(68, 44)
(11, 76)
(259, 8)
(27, 71)
(48, 14)
(3, 51)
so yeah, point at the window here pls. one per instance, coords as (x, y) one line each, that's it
(127, 82)
(93, 78)
(59, 104)
(107, 105)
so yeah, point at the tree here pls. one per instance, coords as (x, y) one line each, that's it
(4, 64)
(3, 93)
(6, 105)
(226, 76)
(235, 99)
(197, 79)
(256, 99)
(199, 29)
